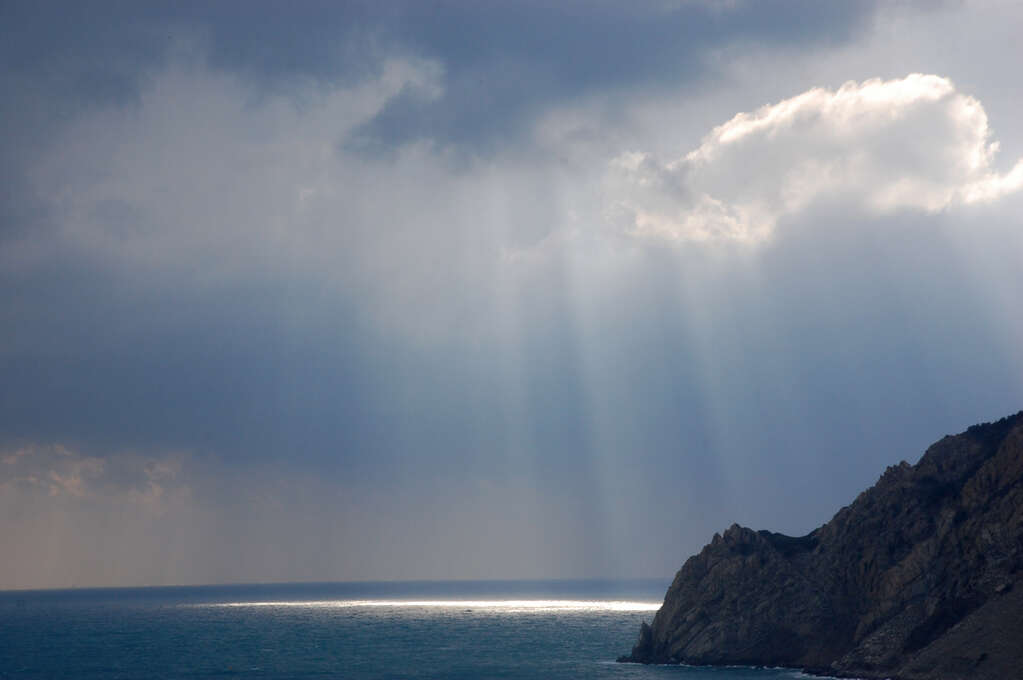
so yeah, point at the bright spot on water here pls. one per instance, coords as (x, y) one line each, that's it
(508, 606)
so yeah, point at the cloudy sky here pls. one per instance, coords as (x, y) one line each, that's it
(342, 291)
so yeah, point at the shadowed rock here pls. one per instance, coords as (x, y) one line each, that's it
(919, 578)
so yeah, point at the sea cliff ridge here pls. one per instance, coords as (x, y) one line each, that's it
(918, 579)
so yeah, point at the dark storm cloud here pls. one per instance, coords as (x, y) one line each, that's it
(503, 62)
(237, 300)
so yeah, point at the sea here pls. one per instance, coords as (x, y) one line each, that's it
(415, 630)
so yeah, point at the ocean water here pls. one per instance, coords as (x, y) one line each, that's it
(450, 630)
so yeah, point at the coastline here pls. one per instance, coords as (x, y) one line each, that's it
(916, 579)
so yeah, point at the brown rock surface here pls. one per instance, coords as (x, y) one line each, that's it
(920, 578)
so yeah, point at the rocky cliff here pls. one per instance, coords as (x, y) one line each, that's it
(920, 578)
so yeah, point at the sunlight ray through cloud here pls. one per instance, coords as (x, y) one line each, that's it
(380, 292)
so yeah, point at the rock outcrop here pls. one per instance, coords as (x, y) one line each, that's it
(920, 578)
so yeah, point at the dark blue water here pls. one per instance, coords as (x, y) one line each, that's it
(344, 630)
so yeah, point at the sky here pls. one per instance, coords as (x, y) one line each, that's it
(449, 290)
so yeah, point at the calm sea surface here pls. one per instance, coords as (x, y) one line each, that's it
(535, 630)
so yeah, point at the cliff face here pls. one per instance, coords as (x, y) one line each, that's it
(920, 577)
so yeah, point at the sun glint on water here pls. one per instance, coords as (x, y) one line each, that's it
(495, 606)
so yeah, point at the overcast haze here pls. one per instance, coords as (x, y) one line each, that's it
(343, 291)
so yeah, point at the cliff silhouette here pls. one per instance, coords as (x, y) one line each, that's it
(920, 578)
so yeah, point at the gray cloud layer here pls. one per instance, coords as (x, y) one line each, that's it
(354, 288)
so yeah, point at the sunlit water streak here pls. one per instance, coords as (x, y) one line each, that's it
(489, 606)
(355, 631)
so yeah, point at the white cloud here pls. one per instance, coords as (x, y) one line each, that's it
(912, 143)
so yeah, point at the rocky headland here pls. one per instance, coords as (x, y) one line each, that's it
(920, 578)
